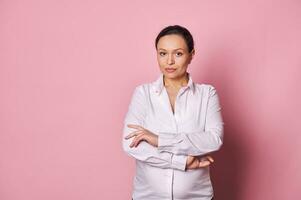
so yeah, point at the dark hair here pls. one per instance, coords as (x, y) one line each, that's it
(178, 30)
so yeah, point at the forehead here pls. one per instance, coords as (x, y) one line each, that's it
(170, 42)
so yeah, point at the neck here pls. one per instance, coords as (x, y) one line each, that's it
(177, 82)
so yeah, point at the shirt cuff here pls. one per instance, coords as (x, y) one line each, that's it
(166, 141)
(179, 161)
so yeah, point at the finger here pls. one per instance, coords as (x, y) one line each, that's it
(138, 139)
(135, 126)
(134, 142)
(204, 163)
(210, 158)
(135, 133)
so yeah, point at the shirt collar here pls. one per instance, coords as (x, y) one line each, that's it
(158, 84)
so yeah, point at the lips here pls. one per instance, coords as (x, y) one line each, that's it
(170, 69)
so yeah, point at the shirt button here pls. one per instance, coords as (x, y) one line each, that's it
(176, 117)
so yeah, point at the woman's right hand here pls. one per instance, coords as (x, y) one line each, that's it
(196, 162)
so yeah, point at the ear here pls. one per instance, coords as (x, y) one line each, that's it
(192, 55)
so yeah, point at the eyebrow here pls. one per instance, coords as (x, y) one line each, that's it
(173, 50)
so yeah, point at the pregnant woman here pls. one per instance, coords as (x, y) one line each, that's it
(172, 125)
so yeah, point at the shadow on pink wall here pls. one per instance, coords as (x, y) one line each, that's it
(228, 173)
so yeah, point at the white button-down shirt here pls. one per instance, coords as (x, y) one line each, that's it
(195, 128)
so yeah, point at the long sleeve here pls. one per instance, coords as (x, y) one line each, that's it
(144, 151)
(197, 143)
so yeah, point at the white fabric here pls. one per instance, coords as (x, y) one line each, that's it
(196, 128)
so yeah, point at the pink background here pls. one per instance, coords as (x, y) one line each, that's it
(68, 69)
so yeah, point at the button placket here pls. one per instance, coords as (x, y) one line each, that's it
(170, 183)
(178, 104)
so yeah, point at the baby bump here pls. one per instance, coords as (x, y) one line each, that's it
(154, 179)
(192, 183)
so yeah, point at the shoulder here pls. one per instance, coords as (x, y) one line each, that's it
(142, 90)
(144, 87)
(205, 87)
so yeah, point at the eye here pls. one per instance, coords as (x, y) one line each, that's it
(162, 53)
(179, 54)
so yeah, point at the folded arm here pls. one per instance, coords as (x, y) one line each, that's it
(144, 151)
(201, 142)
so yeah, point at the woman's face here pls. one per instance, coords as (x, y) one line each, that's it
(173, 56)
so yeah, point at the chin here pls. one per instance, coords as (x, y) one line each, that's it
(168, 75)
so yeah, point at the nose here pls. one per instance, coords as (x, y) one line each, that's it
(170, 60)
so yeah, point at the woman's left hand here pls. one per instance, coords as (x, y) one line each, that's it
(142, 134)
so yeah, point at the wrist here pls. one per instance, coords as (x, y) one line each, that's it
(189, 160)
